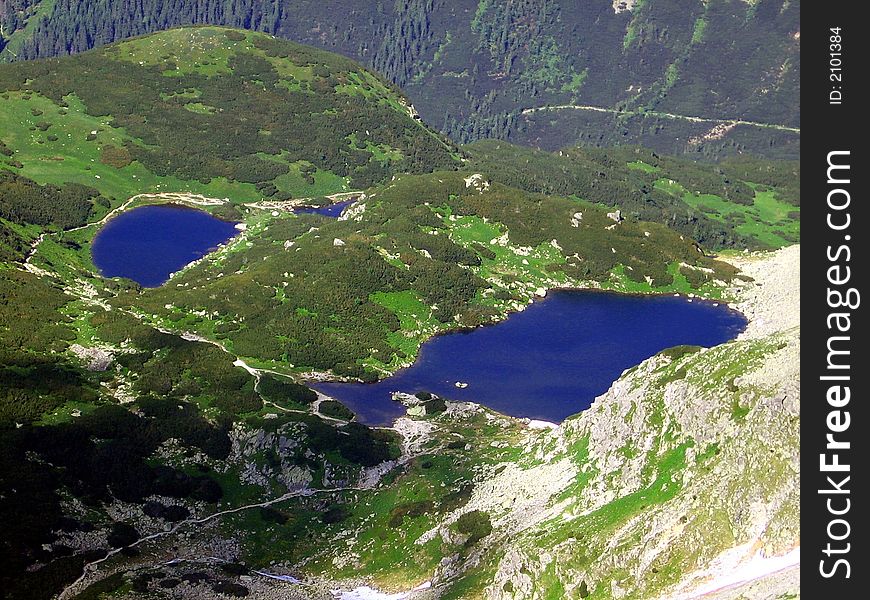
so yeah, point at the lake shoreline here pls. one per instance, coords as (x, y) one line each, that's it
(149, 243)
(327, 377)
(594, 334)
(751, 301)
(191, 202)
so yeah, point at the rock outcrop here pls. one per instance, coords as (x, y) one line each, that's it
(681, 480)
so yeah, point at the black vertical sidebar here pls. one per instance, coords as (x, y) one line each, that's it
(835, 422)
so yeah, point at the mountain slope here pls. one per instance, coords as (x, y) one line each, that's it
(680, 482)
(686, 469)
(741, 202)
(472, 67)
(142, 426)
(210, 110)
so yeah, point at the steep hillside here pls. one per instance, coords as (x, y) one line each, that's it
(677, 77)
(685, 473)
(213, 111)
(111, 430)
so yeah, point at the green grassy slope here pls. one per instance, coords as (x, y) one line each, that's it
(741, 202)
(212, 111)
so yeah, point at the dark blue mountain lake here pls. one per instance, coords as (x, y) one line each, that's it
(549, 361)
(149, 243)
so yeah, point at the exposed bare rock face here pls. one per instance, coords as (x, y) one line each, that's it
(94, 359)
(682, 480)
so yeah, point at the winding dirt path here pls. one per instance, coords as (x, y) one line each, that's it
(299, 202)
(256, 373)
(664, 115)
(91, 567)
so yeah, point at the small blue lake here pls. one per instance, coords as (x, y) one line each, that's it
(549, 361)
(330, 210)
(149, 243)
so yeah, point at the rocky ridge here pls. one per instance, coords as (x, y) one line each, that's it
(680, 481)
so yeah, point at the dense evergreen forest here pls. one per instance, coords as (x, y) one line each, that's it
(472, 67)
(23, 201)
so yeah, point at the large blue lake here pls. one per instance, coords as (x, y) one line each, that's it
(549, 361)
(149, 243)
